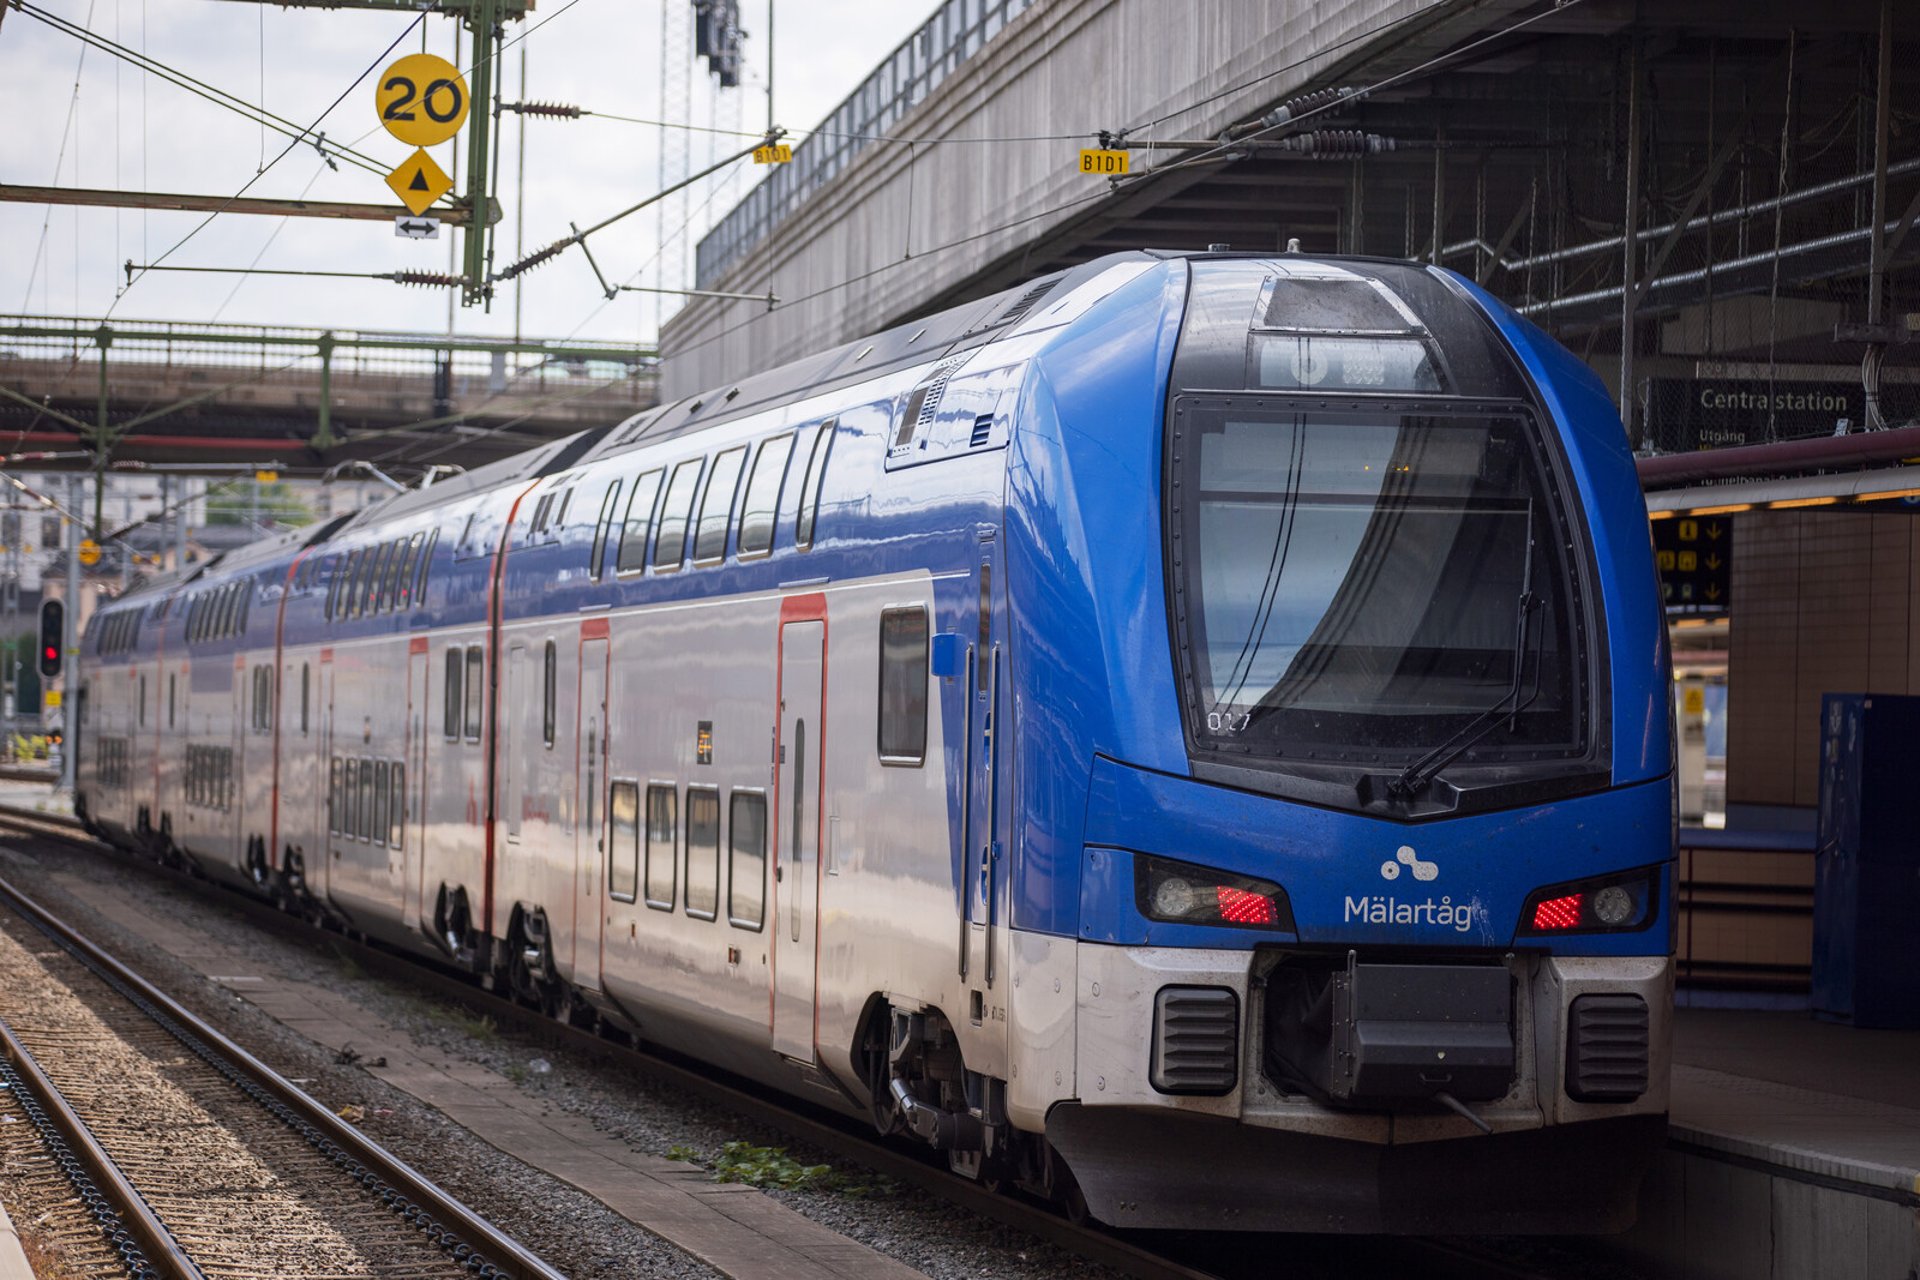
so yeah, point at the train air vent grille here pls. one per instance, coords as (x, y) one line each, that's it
(1025, 303)
(982, 431)
(924, 401)
(1608, 1047)
(1196, 1040)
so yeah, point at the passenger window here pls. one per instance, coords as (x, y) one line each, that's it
(397, 813)
(382, 779)
(370, 598)
(349, 798)
(810, 486)
(476, 687)
(333, 796)
(903, 686)
(763, 495)
(363, 808)
(608, 505)
(306, 690)
(716, 507)
(390, 593)
(670, 548)
(245, 591)
(747, 870)
(143, 701)
(663, 827)
(426, 568)
(633, 532)
(703, 852)
(623, 853)
(550, 684)
(173, 688)
(455, 682)
(403, 596)
(349, 590)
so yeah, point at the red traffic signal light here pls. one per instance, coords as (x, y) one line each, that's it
(53, 637)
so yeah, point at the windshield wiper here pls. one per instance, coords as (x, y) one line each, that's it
(1511, 704)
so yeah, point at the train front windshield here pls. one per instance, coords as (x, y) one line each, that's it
(1359, 584)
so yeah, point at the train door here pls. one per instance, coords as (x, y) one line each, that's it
(411, 795)
(799, 758)
(981, 946)
(590, 833)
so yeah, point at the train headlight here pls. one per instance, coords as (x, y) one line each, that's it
(1181, 893)
(1604, 904)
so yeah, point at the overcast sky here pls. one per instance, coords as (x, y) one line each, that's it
(131, 131)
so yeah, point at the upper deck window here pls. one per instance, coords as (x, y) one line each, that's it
(811, 485)
(670, 548)
(716, 507)
(639, 520)
(763, 495)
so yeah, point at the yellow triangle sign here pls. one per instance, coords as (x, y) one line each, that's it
(419, 182)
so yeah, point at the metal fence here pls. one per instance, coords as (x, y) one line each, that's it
(957, 30)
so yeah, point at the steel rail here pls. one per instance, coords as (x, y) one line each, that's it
(468, 1236)
(836, 1138)
(1431, 1257)
(146, 1247)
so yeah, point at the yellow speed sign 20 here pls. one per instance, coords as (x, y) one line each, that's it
(422, 99)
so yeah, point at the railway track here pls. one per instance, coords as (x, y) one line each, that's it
(1175, 1256)
(192, 1158)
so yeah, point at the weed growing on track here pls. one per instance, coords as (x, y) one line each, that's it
(772, 1168)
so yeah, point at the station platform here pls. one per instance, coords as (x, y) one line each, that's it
(1793, 1152)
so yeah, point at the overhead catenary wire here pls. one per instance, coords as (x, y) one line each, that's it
(200, 88)
(201, 225)
(60, 159)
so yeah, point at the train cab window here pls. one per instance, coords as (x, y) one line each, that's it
(382, 776)
(747, 860)
(633, 530)
(608, 505)
(670, 547)
(811, 485)
(663, 833)
(703, 852)
(763, 496)
(716, 506)
(903, 686)
(397, 812)
(456, 681)
(550, 694)
(623, 851)
(476, 688)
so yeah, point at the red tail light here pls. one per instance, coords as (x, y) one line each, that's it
(1558, 913)
(1237, 906)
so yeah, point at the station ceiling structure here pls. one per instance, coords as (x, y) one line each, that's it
(1745, 152)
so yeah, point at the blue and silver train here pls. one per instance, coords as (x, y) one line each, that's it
(1188, 736)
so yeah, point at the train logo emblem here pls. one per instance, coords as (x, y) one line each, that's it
(1421, 870)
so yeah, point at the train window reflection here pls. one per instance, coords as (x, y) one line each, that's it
(663, 831)
(623, 854)
(454, 684)
(670, 548)
(608, 505)
(810, 487)
(633, 530)
(397, 830)
(550, 695)
(476, 687)
(763, 495)
(703, 852)
(716, 508)
(747, 872)
(903, 686)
